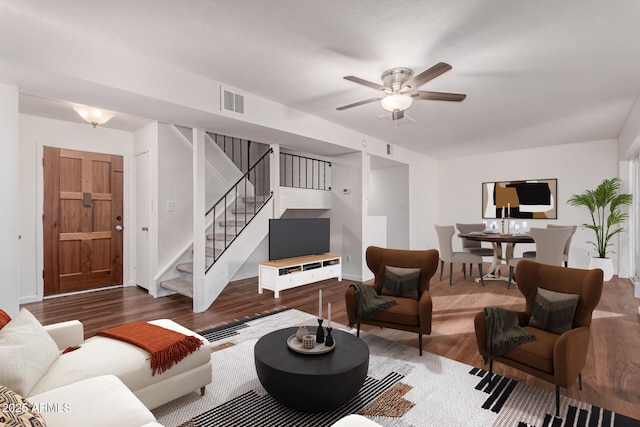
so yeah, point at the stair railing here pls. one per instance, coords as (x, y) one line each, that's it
(304, 172)
(261, 195)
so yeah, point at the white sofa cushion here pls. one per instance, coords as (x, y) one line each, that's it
(26, 352)
(102, 356)
(66, 334)
(97, 402)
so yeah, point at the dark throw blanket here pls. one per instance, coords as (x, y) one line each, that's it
(503, 331)
(368, 302)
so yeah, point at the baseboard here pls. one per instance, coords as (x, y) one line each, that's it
(28, 299)
(352, 278)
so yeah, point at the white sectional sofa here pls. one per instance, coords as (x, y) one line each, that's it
(105, 356)
(104, 382)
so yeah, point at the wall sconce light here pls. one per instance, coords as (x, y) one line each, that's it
(95, 116)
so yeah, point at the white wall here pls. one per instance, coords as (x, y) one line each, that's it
(576, 166)
(629, 138)
(628, 146)
(346, 213)
(10, 250)
(175, 184)
(221, 172)
(424, 187)
(35, 133)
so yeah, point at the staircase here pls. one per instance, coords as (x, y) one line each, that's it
(218, 242)
(236, 220)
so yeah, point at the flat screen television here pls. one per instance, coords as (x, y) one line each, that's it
(293, 237)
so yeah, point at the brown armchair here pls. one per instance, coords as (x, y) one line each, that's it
(409, 314)
(558, 359)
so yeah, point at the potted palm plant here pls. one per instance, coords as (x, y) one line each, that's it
(604, 205)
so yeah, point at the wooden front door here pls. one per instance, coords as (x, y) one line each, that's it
(82, 220)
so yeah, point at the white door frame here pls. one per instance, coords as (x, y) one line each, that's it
(142, 221)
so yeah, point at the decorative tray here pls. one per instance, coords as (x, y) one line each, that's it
(318, 348)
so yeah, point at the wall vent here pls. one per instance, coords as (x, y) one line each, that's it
(232, 101)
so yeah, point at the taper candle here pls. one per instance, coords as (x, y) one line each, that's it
(320, 304)
(329, 315)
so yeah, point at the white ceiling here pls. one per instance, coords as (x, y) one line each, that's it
(536, 73)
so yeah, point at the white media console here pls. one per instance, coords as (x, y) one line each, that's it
(289, 273)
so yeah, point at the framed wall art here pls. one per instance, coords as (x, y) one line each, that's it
(528, 199)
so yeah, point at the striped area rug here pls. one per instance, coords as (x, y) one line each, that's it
(402, 389)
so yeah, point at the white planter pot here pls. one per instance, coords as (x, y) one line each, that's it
(605, 264)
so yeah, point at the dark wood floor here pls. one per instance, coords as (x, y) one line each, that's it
(611, 376)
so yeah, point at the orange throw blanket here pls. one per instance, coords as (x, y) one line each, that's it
(166, 347)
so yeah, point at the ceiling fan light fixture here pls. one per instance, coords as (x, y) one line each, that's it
(95, 116)
(396, 102)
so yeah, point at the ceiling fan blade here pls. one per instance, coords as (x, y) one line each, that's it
(397, 114)
(355, 104)
(439, 96)
(366, 83)
(429, 74)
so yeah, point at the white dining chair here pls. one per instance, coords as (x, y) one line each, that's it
(445, 234)
(550, 244)
(532, 254)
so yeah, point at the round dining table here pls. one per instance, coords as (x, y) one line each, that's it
(497, 240)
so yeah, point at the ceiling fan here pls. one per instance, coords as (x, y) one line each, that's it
(400, 87)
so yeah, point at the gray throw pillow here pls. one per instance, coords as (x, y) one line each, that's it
(401, 282)
(553, 311)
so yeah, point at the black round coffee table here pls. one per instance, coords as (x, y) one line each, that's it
(311, 382)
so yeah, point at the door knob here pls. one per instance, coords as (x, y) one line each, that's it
(145, 228)
(119, 227)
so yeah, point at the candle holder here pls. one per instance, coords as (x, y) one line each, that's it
(320, 332)
(329, 339)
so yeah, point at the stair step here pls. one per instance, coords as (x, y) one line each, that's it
(220, 237)
(243, 211)
(210, 252)
(255, 199)
(187, 267)
(234, 224)
(179, 285)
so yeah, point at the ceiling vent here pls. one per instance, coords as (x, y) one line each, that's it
(232, 101)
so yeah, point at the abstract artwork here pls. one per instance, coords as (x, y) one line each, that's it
(531, 199)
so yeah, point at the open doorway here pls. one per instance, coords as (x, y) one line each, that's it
(389, 197)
